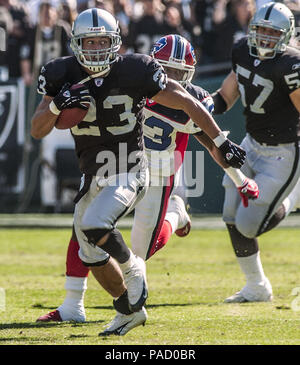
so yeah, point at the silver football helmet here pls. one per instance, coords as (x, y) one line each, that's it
(276, 16)
(96, 23)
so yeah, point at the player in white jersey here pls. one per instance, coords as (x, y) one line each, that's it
(166, 135)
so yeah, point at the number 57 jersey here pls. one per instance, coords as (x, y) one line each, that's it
(265, 87)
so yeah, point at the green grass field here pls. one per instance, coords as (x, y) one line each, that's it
(188, 281)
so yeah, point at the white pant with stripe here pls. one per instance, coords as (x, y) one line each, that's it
(276, 170)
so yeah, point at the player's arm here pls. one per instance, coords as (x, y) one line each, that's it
(225, 97)
(247, 188)
(295, 98)
(43, 120)
(176, 97)
(49, 108)
(215, 153)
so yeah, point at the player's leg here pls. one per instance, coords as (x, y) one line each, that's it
(276, 171)
(246, 249)
(275, 178)
(110, 278)
(247, 253)
(98, 224)
(258, 287)
(76, 270)
(125, 320)
(177, 215)
(72, 309)
(150, 231)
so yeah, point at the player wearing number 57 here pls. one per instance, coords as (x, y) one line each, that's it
(266, 76)
(109, 140)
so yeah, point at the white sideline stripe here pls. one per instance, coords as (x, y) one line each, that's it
(66, 221)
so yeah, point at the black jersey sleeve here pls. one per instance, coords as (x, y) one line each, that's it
(55, 74)
(202, 95)
(155, 78)
(288, 69)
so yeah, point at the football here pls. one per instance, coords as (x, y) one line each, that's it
(70, 117)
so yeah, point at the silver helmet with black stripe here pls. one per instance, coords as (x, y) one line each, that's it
(96, 23)
(275, 16)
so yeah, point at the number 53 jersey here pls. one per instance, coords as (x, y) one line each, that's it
(264, 88)
(166, 133)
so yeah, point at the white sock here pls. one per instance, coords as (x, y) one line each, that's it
(252, 268)
(173, 219)
(73, 306)
(75, 289)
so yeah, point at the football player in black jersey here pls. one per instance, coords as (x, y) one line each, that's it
(266, 75)
(109, 141)
(167, 131)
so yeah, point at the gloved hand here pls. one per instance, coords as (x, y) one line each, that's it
(249, 190)
(75, 96)
(233, 154)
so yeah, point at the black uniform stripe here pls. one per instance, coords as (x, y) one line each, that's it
(281, 191)
(139, 190)
(268, 13)
(95, 18)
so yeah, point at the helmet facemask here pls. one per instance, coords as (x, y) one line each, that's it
(266, 46)
(174, 51)
(188, 71)
(96, 60)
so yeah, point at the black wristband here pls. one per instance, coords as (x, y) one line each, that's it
(219, 103)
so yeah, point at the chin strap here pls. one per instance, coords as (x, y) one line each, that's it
(94, 76)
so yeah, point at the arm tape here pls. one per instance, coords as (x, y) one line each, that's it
(236, 176)
(219, 103)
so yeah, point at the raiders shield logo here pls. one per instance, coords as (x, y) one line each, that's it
(98, 81)
(256, 62)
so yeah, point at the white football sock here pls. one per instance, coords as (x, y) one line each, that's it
(75, 289)
(252, 268)
(173, 219)
(73, 306)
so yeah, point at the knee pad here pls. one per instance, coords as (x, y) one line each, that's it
(94, 235)
(246, 228)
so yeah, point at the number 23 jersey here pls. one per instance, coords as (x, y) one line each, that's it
(110, 136)
(265, 87)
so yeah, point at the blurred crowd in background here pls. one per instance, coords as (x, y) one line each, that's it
(38, 30)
